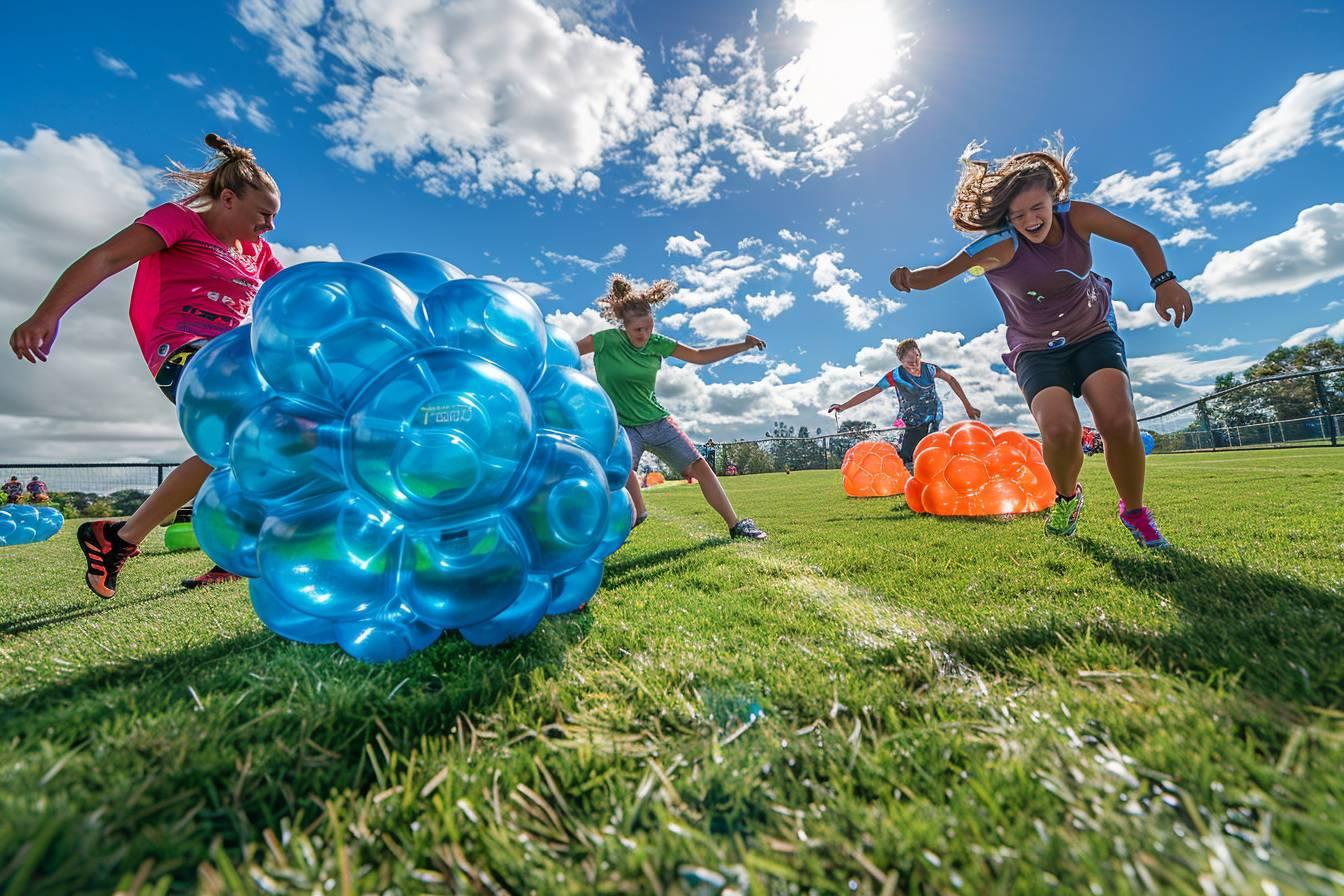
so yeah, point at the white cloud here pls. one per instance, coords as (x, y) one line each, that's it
(791, 236)
(231, 105)
(1281, 131)
(1144, 316)
(680, 245)
(1162, 192)
(114, 65)
(835, 289)
(826, 270)
(1311, 334)
(1221, 346)
(833, 224)
(1187, 235)
(60, 197)
(1308, 253)
(770, 305)
(1182, 369)
(792, 261)
(715, 278)
(580, 324)
(861, 312)
(289, 257)
(1229, 209)
(784, 369)
(614, 255)
(294, 51)
(189, 80)
(529, 288)
(1330, 306)
(719, 325)
(674, 321)
(534, 97)
(465, 102)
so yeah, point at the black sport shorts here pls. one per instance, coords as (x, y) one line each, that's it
(1070, 365)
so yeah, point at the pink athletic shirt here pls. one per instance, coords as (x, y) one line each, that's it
(196, 287)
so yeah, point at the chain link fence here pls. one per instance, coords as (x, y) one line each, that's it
(90, 490)
(1298, 409)
(780, 455)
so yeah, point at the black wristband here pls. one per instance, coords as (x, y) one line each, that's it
(1161, 278)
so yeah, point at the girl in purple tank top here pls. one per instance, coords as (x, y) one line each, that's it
(1062, 342)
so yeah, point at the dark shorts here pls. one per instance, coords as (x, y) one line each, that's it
(176, 362)
(910, 440)
(1070, 366)
(665, 440)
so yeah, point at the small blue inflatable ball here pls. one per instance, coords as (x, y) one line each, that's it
(28, 523)
(401, 450)
(1149, 443)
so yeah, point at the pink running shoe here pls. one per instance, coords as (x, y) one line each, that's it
(1143, 527)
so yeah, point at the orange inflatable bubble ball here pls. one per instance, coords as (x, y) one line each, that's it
(654, 478)
(873, 470)
(973, 470)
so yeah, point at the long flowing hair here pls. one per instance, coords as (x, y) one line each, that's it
(230, 168)
(622, 299)
(985, 189)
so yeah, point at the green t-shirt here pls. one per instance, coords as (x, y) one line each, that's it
(628, 374)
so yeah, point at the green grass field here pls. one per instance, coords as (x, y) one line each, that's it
(868, 702)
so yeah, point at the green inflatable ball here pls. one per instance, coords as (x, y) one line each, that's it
(180, 537)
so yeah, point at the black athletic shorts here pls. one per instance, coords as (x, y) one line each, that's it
(1071, 365)
(171, 371)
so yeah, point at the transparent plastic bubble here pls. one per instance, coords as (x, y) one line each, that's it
(402, 450)
(28, 523)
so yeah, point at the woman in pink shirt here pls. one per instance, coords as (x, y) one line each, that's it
(201, 261)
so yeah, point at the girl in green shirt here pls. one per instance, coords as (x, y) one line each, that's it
(628, 358)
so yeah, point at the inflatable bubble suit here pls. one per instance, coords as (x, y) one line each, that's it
(1149, 443)
(400, 450)
(25, 523)
(873, 470)
(972, 470)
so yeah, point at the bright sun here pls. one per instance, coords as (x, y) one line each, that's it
(854, 48)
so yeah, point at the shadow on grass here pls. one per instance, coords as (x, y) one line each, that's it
(1277, 636)
(222, 741)
(71, 612)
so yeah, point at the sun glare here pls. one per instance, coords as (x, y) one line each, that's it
(854, 48)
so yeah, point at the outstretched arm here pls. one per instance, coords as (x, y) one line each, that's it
(971, 411)
(1171, 299)
(858, 399)
(99, 263)
(987, 259)
(716, 353)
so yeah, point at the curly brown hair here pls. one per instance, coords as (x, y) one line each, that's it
(903, 347)
(231, 168)
(622, 300)
(985, 189)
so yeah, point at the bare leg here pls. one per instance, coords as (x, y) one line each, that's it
(1061, 437)
(1107, 395)
(636, 495)
(179, 487)
(712, 489)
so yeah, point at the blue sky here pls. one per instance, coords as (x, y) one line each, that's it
(776, 160)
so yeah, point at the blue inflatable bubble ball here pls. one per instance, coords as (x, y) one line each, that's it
(400, 450)
(1149, 443)
(28, 523)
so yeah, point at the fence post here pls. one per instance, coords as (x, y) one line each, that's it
(1204, 420)
(159, 468)
(1323, 397)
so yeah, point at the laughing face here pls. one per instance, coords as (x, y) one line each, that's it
(1032, 214)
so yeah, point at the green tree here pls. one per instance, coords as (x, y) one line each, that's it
(125, 501)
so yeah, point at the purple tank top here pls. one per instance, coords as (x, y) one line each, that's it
(1049, 294)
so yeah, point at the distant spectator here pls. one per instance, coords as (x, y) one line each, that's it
(37, 491)
(13, 490)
